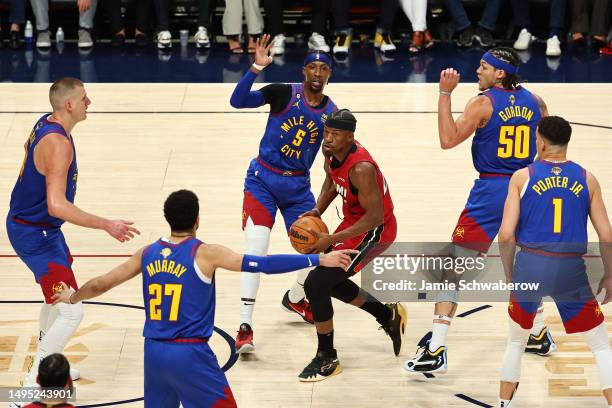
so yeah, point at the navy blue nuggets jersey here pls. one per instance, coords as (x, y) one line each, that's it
(179, 300)
(554, 208)
(507, 142)
(29, 197)
(293, 136)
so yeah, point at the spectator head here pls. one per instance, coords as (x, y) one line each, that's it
(499, 66)
(67, 96)
(54, 372)
(181, 210)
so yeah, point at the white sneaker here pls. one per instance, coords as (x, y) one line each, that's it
(384, 42)
(553, 47)
(201, 38)
(43, 39)
(524, 39)
(85, 39)
(317, 42)
(164, 39)
(278, 45)
(74, 374)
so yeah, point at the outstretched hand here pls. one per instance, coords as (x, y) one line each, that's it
(262, 51)
(121, 230)
(338, 259)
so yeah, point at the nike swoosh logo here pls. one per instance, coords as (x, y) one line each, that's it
(301, 313)
(309, 262)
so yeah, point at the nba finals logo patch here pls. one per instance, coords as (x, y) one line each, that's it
(597, 311)
(57, 287)
(512, 99)
(166, 252)
(459, 232)
(556, 171)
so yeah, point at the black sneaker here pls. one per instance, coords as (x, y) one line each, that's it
(396, 325)
(118, 40)
(426, 361)
(15, 40)
(465, 37)
(141, 40)
(484, 37)
(321, 367)
(543, 344)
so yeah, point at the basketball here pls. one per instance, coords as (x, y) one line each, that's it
(300, 235)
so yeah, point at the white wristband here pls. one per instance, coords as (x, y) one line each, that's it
(258, 67)
(447, 93)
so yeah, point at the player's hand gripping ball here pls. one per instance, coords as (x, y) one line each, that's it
(302, 233)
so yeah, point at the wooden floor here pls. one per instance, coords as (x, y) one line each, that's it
(141, 142)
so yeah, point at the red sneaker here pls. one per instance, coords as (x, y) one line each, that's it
(244, 339)
(302, 308)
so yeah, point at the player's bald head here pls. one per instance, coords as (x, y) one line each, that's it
(63, 89)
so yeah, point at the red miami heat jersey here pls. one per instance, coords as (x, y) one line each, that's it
(339, 172)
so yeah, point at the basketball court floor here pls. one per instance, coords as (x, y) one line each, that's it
(143, 141)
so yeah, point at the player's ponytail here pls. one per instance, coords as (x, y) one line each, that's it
(510, 56)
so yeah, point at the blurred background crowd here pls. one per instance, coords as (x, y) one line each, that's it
(329, 25)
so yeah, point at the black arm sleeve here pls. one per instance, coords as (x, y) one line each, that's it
(277, 95)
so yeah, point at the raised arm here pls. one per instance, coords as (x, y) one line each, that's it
(243, 97)
(477, 112)
(52, 158)
(210, 257)
(512, 212)
(601, 223)
(103, 283)
(541, 105)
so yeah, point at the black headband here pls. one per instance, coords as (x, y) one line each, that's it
(341, 124)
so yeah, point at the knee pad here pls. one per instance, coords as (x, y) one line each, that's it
(597, 338)
(347, 291)
(311, 285)
(257, 238)
(71, 313)
(517, 341)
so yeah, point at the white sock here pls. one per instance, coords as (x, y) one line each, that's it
(538, 322)
(296, 293)
(597, 339)
(504, 403)
(65, 319)
(257, 239)
(438, 336)
(249, 284)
